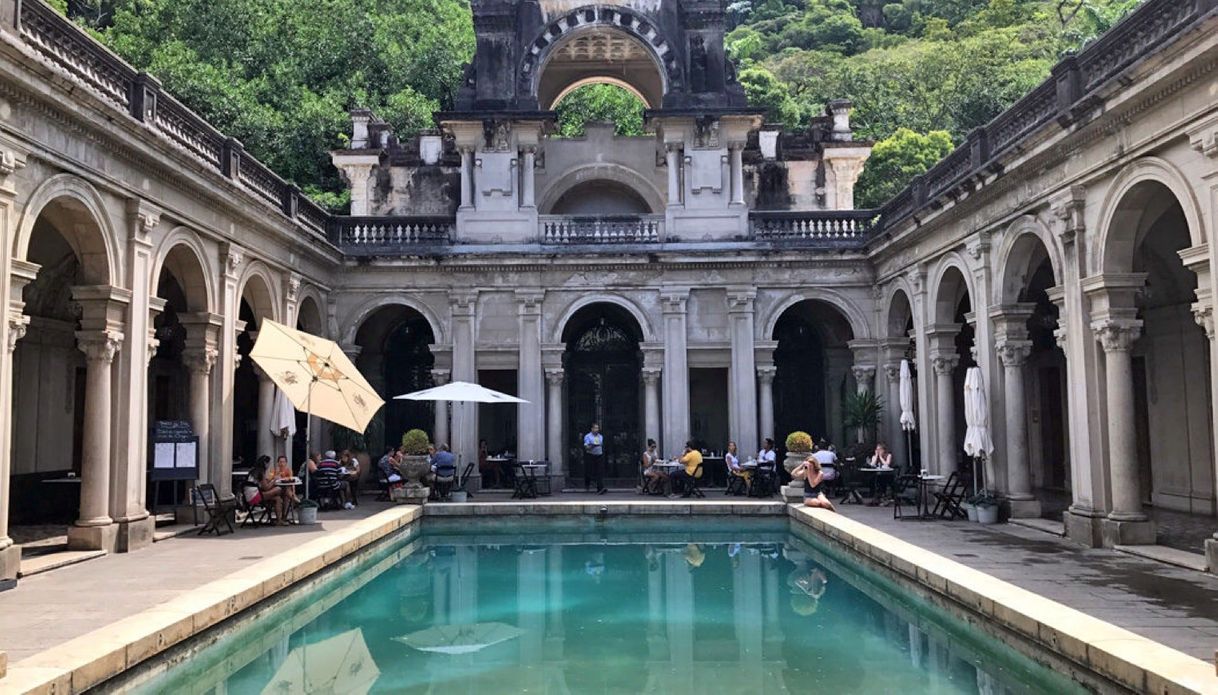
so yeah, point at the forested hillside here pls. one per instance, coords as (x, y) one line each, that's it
(280, 75)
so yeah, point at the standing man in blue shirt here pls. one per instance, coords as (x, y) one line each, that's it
(594, 459)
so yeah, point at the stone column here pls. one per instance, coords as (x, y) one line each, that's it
(467, 173)
(742, 384)
(651, 403)
(676, 369)
(439, 433)
(528, 174)
(554, 443)
(199, 361)
(266, 416)
(944, 366)
(1129, 524)
(465, 415)
(765, 406)
(94, 530)
(20, 274)
(531, 420)
(1203, 313)
(736, 155)
(837, 364)
(892, 410)
(672, 157)
(231, 258)
(1014, 355)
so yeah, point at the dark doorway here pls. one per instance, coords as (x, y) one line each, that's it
(602, 364)
(799, 382)
(497, 422)
(408, 364)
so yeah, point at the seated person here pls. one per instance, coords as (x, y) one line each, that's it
(350, 463)
(767, 457)
(443, 466)
(387, 466)
(283, 471)
(486, 468)
(327, 479)
(732, 459)
(259, 490)
(657, 479)
(882, 458)
(827, 459)
(692, 460)
(814, 484)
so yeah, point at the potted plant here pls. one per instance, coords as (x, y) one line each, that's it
(799, 445)
(986, 505)
(861, 411)
(307, 511)
(414, 465)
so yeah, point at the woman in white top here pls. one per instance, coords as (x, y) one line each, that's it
(732, 459)
(657, 480)
(882, 458)
(767, 456)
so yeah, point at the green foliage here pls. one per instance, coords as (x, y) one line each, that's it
(415, 443)
(799, 442)
(600, 102)
(861, 411)
(281, 75)
(767, 92)
(895, 160)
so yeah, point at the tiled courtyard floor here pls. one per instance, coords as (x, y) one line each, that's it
(1175, 606)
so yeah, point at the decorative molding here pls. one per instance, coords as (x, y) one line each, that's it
(440, 377)
(1117, 335)
(293, 286)
(892, 372)
(740, 299)
(18, 324)
(944, 364)
(231, 257)
(766, 374)
(651, 375)
(554, 377)
(1014, 353)
(1203, 314)
(99, 346)
(200, 360)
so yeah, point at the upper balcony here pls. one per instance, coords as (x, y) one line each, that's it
(767, 230)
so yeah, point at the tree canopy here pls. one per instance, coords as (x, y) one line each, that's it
(281, 75)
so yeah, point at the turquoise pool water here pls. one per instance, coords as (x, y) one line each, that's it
(629, 606)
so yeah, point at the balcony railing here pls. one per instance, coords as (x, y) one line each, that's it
(604, 229)
(823, 228)
(367, 236)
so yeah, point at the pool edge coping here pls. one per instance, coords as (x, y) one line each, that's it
(1138, 663)
(91, 659)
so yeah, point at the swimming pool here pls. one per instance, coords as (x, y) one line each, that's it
(695, 605)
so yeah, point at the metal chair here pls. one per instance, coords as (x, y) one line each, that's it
(255, 514)
(218, 511)
(737, 485)
(525, 485)
(905, 491)
(850, 483)
(949, 499)
(765, 481)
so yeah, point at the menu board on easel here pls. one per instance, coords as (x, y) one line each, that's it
(174, 449)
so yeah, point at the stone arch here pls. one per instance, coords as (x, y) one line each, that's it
(1116, 246)
(96, 248)
(634, 24)
(182, 253)
(616, 82)
(601, 171)
(898, 310)
(352, 327)
(309, 307)
(602, 298)
(258, 287)
(847, 308)
(1020, 243)
(950, 281)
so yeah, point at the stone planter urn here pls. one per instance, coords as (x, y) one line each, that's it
(413, 469)
(793, 492)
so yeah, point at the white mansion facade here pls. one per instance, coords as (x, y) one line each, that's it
(709, 281)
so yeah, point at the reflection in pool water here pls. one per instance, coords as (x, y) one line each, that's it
(714, 610)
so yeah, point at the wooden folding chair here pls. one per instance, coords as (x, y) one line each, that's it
(949, 499)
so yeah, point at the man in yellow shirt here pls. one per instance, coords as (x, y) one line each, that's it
(692, 460)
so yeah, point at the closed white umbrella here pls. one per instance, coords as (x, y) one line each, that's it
(460, 392)
(977, 440)
(283, 421)
(460, 639)
(905, 391)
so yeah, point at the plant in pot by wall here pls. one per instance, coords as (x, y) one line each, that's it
(986, 504)
(861, 412)
(414, 465)
(799, 445)
(307, 511)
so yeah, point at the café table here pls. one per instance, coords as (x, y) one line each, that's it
(539, 471)
(878, 473)
(289, 507)
(503, 464)
(925, 481)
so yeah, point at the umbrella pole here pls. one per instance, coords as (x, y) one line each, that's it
(308, 432)
(909, 451)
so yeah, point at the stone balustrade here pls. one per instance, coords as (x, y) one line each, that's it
(603, 229)
(365, 236)
(820, 228)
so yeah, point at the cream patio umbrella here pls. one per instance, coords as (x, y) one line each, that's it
(340, 664)
(316, 376)
(977, 441)
(460, 639)
(908, 423)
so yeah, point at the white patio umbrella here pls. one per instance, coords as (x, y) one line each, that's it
(283, 421)
(340, 664)
(460, 639)
(316, 376)
(460, 392)
(977, 441)
(905, 387)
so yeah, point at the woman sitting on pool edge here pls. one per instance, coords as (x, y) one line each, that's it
(814, 490)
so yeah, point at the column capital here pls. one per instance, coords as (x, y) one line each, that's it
(231, 258)
(1203, 314)
(673, 299)
(99, 346)
(200, 360)
(1067, 207)
(863, 372)
(18, 323)
(145, 218)
(651, 375)
(1014, 353)
(463, 302)
(529, 301)
(944, 364)
(441, 376)
(740, 299)
(554, 377)
(1117, 335)
(766, 374)
(892, 372)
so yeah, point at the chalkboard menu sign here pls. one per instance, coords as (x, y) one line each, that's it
(174, 450)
